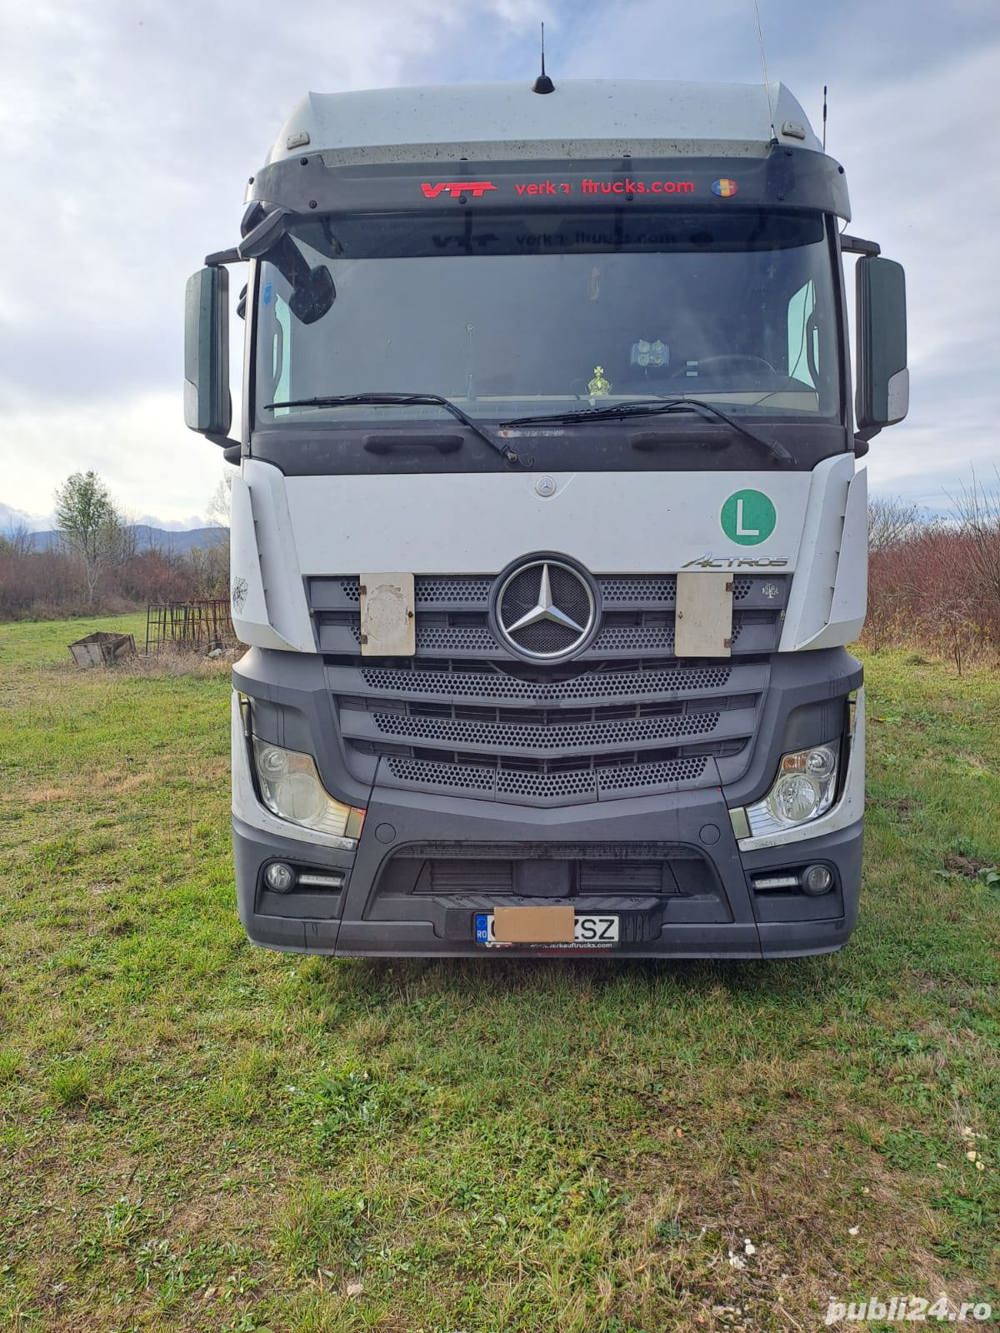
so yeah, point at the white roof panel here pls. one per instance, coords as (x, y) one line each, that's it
(596, 116)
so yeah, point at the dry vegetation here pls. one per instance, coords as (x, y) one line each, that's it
(41, 585)
(934, 585)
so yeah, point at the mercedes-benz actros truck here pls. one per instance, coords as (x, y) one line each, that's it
(548, 535)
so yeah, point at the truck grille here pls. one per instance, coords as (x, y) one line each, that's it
(638, 617)
(626, 717)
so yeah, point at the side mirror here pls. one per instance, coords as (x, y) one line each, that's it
(883, 395)
(207, 405)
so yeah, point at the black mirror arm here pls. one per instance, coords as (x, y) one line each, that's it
(266, 232)
(221, 257)
(854, 245)
(232, 450)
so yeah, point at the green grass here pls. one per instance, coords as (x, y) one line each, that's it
(197, 1134)
(42, 642)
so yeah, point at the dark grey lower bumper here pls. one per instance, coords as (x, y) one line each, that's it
(389, 906)
(666, 861)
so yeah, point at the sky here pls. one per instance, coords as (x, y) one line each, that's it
(129, 128)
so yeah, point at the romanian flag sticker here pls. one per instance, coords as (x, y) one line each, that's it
(725, 188)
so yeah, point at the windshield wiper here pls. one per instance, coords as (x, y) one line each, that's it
(509, 455)
(642, 407)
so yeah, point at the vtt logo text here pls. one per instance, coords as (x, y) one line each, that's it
(475, 189)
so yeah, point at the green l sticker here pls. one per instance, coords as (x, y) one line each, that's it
(748, 517)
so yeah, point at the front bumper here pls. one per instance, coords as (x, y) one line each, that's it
(669, 865)
(389, 906)
(732, 922)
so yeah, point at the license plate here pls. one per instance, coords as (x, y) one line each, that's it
(590, 931)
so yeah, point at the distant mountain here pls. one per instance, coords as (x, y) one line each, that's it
(153, 539)
(12, 520)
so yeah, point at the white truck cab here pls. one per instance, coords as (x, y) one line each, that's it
(547, 535)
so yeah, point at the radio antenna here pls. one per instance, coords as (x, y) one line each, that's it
(824, 117)
(543, 84)
(763, 65)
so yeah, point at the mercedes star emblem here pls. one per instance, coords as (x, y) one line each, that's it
(545, 609)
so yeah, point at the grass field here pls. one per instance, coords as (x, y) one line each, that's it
(197, 1134)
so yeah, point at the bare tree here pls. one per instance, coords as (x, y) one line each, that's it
(892, 525)
(210, 568)
(891, 521)
(17, 540)
(127, 543)
(219, 505)
(90, 524)
(977, 511)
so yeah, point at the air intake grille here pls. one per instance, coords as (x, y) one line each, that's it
(643, 588)
(520, 735)
(452, 616)
(496, 685)
(466, 718)
(549, 788)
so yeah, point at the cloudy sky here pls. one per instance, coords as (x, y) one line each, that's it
(130, 127)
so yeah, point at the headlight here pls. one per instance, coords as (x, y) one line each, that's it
(291, 788)
(804, 788)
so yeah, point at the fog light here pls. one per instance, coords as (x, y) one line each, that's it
(816, 880)
(279, 877)
(308, 879)
(771, 883)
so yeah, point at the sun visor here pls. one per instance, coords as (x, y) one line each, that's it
(786, 178)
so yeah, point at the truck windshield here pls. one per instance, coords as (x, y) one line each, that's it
(543, 313)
